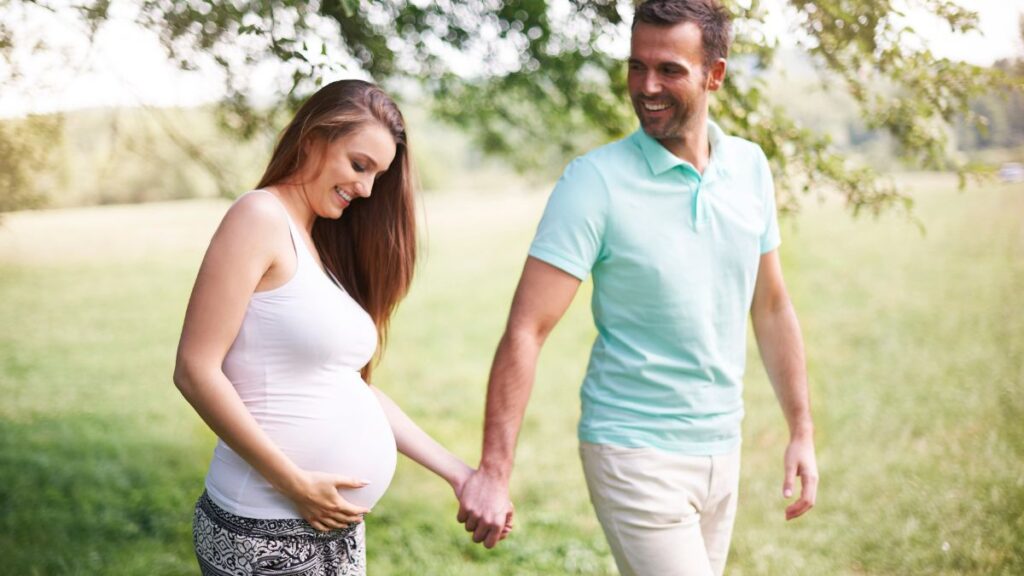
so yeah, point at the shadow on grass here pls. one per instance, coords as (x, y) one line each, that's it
(86, 494)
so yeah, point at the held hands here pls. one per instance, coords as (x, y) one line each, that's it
(800, 461)
(317, 498)
(485, 509)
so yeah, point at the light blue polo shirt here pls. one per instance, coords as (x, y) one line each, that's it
(674, 257)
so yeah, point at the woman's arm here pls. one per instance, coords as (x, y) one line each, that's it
(420, 447)
(247, 247)
(425, 451)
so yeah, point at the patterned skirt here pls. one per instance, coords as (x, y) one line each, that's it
(229, 545)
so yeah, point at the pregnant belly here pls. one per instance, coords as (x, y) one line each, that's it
(345, 433)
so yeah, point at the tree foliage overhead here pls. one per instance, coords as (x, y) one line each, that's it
(538, 81)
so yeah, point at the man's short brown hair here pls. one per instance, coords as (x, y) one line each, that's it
(711, 17)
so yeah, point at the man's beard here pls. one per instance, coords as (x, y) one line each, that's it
(665, 128)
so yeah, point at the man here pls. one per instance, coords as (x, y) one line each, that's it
(677, 225)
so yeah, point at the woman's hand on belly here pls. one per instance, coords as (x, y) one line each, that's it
(316, 496)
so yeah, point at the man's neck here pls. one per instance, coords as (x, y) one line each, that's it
(693, 144)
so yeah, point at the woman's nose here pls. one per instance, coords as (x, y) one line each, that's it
(364, 188)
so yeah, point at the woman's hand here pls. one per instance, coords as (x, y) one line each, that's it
(317, 498)
(459, 476)
(509, 521)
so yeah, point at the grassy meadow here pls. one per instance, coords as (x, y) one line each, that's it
(916, 359)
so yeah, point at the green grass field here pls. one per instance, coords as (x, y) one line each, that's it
(916, 358)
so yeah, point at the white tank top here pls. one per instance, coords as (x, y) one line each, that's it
(295, 364)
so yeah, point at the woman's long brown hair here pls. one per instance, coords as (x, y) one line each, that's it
(371, 249)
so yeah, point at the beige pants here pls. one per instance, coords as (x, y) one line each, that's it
(663, 514)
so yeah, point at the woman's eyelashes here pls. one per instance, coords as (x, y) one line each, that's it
(358, 167)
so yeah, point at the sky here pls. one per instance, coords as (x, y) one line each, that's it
(127, 66)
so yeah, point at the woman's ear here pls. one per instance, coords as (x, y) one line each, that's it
(308, 146)
(312, 153)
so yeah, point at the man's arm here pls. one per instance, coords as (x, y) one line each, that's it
(543, 295)
(782, 350)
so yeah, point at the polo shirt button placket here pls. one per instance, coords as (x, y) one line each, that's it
(698, 210)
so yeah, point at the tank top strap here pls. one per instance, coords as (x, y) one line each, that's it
(301, 250)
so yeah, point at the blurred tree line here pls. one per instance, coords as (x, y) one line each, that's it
(25, 153)
(1003, 113)
(537, 81)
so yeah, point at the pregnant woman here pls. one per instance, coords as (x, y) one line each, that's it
(291, 302)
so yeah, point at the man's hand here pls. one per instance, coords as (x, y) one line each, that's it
(485, 509)
(800, 461)
(543, 295)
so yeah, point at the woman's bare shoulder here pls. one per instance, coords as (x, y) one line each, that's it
(256, 221)
(258, 207)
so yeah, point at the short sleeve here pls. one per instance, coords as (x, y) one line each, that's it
(770, 238)
(571, 232)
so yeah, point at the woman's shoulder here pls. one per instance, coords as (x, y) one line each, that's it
(256, 217)
(259, 204)
(257, 208)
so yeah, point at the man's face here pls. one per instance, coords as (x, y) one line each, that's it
(667, 81)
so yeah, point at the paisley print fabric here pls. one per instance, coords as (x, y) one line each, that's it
(230, 545)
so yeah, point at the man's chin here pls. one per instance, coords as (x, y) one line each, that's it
(656, 131)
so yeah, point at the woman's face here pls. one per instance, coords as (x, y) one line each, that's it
(351, 165)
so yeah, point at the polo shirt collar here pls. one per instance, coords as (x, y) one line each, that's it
(660, 160)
